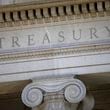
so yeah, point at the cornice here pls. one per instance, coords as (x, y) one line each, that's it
(56, 11)
(84, 50)
(21, 2)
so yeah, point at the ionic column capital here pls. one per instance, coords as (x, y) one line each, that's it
(32, 96)
(73, 90)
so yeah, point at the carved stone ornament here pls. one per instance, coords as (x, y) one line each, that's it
(32, 97)
(73, 90)
(54, 11)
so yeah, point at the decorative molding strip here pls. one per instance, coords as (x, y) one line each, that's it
(56, 52)
(52, 12)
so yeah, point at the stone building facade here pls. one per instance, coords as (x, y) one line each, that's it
(55, 55)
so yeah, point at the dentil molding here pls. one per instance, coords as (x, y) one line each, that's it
(48, 12)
